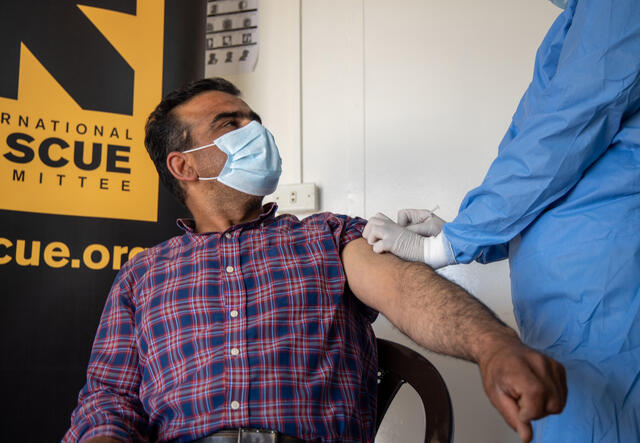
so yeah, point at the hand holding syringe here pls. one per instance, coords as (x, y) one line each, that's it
(421, 221)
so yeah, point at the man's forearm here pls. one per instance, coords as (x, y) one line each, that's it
(434, 312)
(443, 317)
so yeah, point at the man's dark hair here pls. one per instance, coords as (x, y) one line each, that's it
(164, 133)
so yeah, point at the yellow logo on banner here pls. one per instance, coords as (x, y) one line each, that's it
(57, 158)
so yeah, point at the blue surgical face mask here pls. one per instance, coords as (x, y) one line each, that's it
(253, 163)
(562, 4)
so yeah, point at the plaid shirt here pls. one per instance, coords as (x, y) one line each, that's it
(251, 327)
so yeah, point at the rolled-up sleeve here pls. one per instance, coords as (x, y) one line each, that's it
(565, 122)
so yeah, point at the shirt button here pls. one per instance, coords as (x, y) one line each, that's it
(235, 405)
(228, 235)
(234, 313)
(235, 351)
(229, 269)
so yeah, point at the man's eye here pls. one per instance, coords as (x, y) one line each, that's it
(230, 123)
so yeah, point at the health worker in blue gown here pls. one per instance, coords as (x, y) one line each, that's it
(562, 202)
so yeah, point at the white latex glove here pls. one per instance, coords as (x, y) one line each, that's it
(386, 236)
(421, 221)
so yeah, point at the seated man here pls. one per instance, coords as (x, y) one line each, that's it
(252, 320)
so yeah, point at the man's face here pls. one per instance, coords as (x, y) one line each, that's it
(208, 116)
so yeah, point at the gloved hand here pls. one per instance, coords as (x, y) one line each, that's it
(386, 236)
(421, 221)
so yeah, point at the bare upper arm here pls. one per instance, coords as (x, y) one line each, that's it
(373, 278)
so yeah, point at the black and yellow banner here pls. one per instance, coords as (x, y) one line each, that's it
(79, 195)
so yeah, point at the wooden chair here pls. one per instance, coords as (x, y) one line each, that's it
(397, 365)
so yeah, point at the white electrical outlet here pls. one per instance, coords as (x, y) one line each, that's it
(296, 198)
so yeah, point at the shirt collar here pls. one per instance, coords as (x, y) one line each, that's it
(188, 225)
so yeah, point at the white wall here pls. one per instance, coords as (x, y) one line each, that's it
(401, 104)
(273, 89)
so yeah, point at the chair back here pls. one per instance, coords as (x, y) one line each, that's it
(397, 365)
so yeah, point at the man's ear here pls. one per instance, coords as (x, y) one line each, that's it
(180, 168)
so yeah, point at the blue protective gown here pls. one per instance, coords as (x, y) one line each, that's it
(562, 201)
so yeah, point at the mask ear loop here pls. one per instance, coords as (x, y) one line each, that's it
(198, 148)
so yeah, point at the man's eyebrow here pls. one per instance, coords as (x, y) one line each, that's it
(235, 114)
